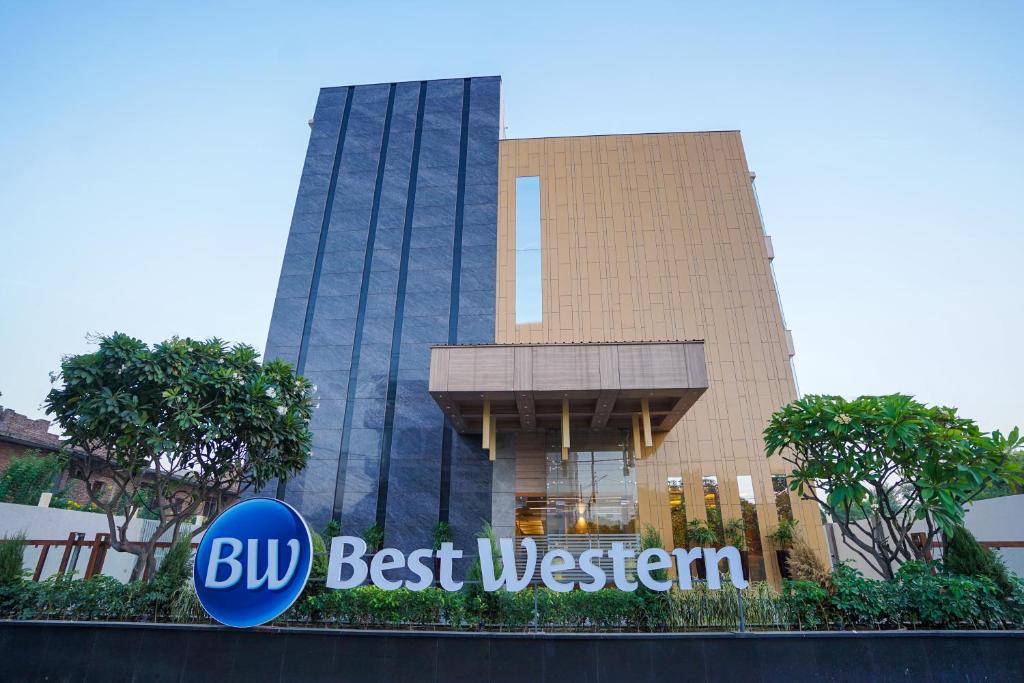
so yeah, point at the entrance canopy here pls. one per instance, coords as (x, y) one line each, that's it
(532, 387)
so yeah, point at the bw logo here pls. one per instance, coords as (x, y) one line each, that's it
(253, 562)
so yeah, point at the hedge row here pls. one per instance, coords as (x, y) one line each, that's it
(917, 598)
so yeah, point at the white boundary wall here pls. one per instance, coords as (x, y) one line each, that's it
(43, 523)
(995, 519)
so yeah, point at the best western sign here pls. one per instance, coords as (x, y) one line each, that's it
(348, 551)
(254, 560)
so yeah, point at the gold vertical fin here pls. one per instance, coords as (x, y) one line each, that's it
(638, 450)
(492, 446)
(486, 441)
(565, 423)
(645, 408)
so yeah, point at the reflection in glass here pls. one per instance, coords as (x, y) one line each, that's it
(589, 500)
(712, 505)
(754, 550)
(783, 505)
(594, 491)
(529, 302)
(677, 506)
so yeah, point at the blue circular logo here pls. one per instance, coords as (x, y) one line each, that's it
(253, 562)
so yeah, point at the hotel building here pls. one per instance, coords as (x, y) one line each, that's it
(566, 337)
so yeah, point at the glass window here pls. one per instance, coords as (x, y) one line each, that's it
(783, 505)
(754, 550)
(529, 301)
(594, 491)
(588, 501)
(713, 506)
(677, 506)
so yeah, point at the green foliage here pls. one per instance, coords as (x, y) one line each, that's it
(881, 463)
(12, 557)
(320, 557)
(485, 603)
(917, 597)
(785, 534)
(966, 557)
(653, 603)
(331, 529)
(28, 476)
(188, 403)
(62, 502)
(176, 567)
(736, 533)
(650, 537)
(701, 534)
(195, 420)
(374, 537)
(442, 534)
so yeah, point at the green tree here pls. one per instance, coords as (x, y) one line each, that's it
(27, 476)
(965, 556)
(193, 422)
(880, 464)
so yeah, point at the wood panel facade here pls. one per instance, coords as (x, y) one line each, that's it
(658, 237)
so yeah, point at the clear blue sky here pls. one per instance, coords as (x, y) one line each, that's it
(149, 160)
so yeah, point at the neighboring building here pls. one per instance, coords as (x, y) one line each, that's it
(20, 434)
(564, 337)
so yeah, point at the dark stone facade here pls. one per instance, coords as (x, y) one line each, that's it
(392, 249)
(55, 651)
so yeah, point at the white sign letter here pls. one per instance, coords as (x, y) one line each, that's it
(650, 560)
(339, 558)
(508, 576)
(388, 558)
(252, 580)
(548, 567)
(424, 575)
(619, 555)
(446, 554)
(711, 559)
(684, 558)
(588, 565)
(231, 560)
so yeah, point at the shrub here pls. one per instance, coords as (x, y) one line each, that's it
(804, 563)
(331, 529)
(374, 537)
(966, 557)
(785, 534)
(917, 597)
(700, 534)
(442, 534)
(27, 477)
(12, 558)
(320, 557)
(736, 533)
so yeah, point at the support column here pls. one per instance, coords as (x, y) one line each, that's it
(565, 429)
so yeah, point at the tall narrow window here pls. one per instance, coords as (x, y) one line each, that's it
(713, 506)
(783, 506)
(529, 303)
(754, 551)
(677, 507)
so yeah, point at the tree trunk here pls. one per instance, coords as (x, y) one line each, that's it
(139, 570)
(145, 564)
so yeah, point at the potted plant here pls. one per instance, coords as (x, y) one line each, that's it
(700, 534)
(736, 536)
(783, 538)
(442, 534)
(374, 537)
